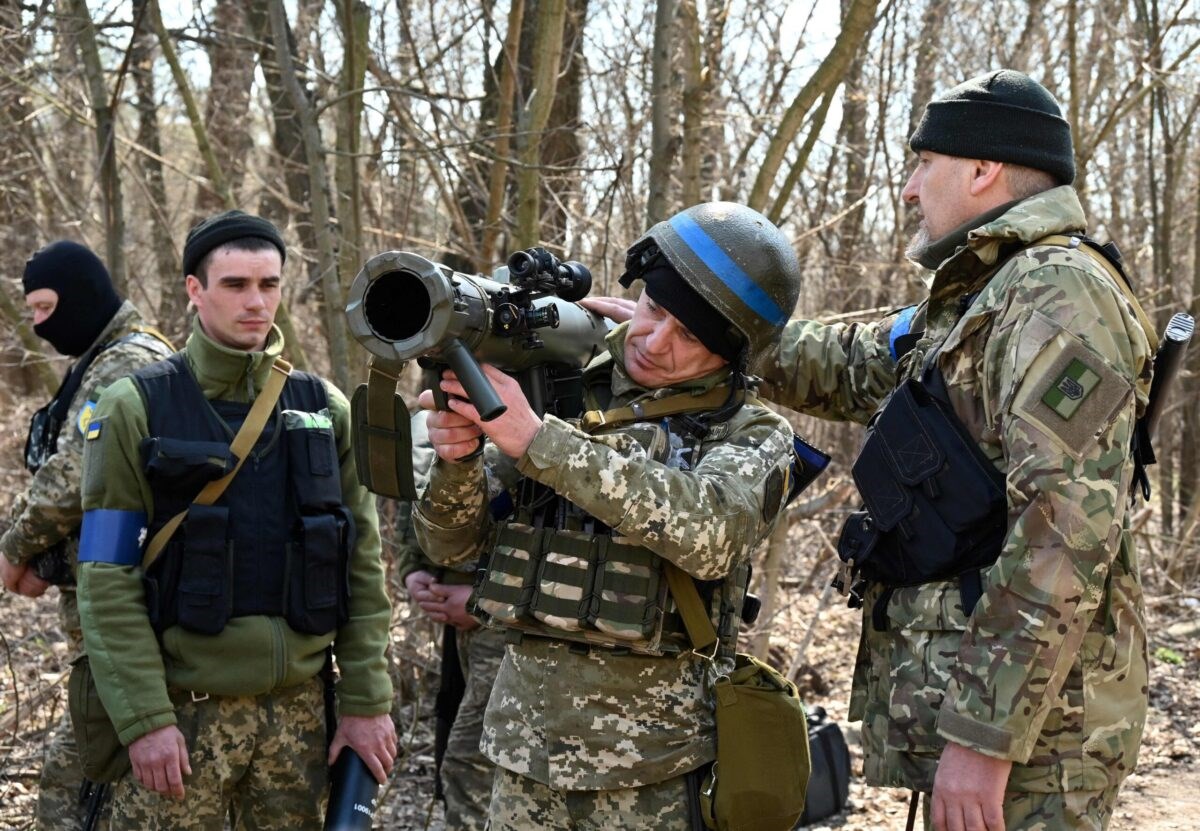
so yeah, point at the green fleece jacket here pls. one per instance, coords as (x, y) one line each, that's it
(253, 654)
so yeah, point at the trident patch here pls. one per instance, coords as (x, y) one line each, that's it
(1071, 388)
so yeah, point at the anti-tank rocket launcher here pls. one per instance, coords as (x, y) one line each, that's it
(405, 307)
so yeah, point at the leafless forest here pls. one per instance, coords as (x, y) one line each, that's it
(466, 130)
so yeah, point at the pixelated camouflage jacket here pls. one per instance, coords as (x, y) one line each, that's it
(253, 654)
(596, 720)
(1047, 368)
(49, 510)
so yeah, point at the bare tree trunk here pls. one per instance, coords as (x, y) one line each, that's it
(662, 113)
(334, 302)
(561, 147)
(498, 176)
(547, 51)
(768, 572)
(19, 232)
(856, 26)
(926, 73)
(695, 104)
(231, 55)
(355, 18)
(106, 143)
(171, 300)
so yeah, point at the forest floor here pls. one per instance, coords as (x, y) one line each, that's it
(1164, 793)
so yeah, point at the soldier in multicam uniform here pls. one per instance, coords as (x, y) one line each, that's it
(209, 663)
(75, 309)
(600, 715)
(1023, 710)
(465, 774)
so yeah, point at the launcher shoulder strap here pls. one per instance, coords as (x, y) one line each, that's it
(684, 402)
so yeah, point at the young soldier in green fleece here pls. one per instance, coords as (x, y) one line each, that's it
(209, 663)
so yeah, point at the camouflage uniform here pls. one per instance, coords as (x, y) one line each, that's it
(466, 774)
(1050, 669)
(49, 512)
(577, 727)
(263, 709)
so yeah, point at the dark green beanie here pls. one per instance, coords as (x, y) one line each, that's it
(227, 227)
(1003, 116)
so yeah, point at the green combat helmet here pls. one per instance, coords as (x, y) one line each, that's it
(736, 259)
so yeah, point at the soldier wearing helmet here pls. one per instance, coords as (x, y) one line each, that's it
(600, 709)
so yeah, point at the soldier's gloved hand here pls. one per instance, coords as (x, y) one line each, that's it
(373, 738)
(453, 436)
(160, 760)
(511, 432)
(968, 790)
(616, 309)
(448, 604)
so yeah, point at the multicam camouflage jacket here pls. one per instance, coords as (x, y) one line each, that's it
(1050, 669)
(49, 510)
(591, 719)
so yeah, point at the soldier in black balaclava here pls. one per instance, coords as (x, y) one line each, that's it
(77, 311)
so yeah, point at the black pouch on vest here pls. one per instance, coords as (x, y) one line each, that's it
(935, 506)
(205, 593)
(313, 450)
(829, 781)
(317, 560)
(184, 466)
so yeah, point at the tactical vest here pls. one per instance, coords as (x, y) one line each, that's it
(556, 572)
(278, 541)
(45, 426)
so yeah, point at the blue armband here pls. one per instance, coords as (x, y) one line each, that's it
(112, 537)
(900, 328)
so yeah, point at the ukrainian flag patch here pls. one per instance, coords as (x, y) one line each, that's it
(85, 417)
(1068, 392)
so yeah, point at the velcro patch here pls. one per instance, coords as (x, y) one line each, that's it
(1071, 393)
(92, 432)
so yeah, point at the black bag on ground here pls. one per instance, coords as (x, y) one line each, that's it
(829, 782)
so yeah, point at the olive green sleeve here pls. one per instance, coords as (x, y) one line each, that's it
(124, 652)
(362, 642)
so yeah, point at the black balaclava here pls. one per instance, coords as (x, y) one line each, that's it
(669, 290)
(87, 300)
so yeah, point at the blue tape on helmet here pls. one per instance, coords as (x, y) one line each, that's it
(727, 271)
(112, 537)
(900, 328)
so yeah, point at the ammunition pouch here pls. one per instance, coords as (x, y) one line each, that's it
(590, 588)
(935, 505)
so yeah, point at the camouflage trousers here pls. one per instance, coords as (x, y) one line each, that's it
(520, 803)
(258, 761)
(1064, 811)
(466, 773)
(59, 805)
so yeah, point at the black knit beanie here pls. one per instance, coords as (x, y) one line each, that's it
(1003, 116)
(87, 300)
(669, 290)
(226, 227)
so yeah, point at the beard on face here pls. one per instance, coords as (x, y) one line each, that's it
(919, 242)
